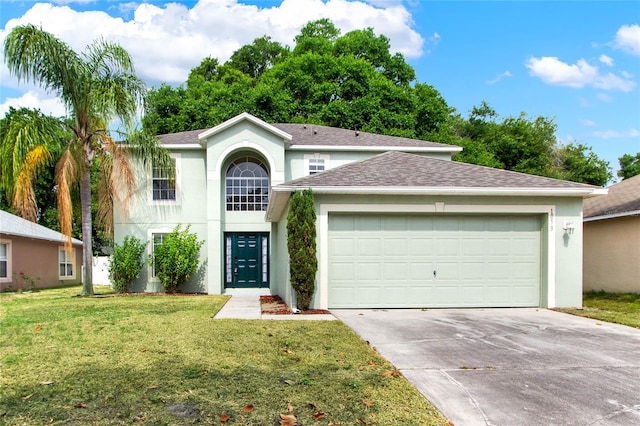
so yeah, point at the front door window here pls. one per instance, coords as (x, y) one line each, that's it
(246, 260)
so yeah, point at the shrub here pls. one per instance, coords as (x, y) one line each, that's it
(177, 258)
(301, 243)
(126, 263)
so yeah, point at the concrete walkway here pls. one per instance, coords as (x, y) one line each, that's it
(247, 306)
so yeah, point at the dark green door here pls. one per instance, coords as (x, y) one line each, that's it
(246, 260)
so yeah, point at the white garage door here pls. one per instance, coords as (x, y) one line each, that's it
(398, 261)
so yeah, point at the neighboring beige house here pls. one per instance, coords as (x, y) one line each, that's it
(612, 239)
(29, 251)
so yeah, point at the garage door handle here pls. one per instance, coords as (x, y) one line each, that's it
(434, 274)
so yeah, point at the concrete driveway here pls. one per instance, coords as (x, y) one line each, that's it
(511, 366)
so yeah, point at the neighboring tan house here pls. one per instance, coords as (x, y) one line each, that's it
(399, 224)
(29, 251)
(612, 239)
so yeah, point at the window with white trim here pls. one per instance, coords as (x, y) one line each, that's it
(157, 238)
(316, 165)
(247, 185)
(163, 184)
(66, 263)
(5, 261)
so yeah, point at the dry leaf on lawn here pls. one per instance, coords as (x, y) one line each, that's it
(224, 417)
(38, 328)
(248, 408)
(319, 415)
(290, 407)
(80, 405)
(288, 420)
(368, 403)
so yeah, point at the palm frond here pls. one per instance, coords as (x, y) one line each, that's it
(66, 176)
(36, 56)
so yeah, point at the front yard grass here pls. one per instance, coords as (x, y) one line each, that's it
(620, 308)
(164, 360)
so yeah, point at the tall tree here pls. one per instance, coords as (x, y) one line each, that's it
(629, 166)
(96, 86)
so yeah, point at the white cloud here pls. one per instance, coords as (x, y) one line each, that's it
(584, 103)
(553, 71)
(588, 123)
(499, 77)
(167, 41)
(628, 39)
(31, 99)
(615, 134)
(607, 60)
(604, 97)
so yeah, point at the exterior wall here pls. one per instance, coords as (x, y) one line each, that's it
(612, 255)
(145, 216)
(38, 259)
(561, 257)
(221, 149)
(296, 164)
(281, 283)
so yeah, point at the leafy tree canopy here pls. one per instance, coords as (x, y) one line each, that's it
(629, 166)
(352, 81)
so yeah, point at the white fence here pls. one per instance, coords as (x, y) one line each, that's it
(100, 269)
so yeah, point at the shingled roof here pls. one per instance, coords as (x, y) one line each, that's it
(398, 169)
(623, 199)
(14, 225)
(315, 135)
(312, 135)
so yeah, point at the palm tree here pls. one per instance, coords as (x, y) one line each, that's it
(97, 87)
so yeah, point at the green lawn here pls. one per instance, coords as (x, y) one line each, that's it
(164, 360)
(621, 308)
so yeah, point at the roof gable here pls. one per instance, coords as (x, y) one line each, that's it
(623, 199)
(245, 116)
(13, 225)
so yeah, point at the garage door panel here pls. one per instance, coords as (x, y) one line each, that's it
(473, 246)
(419, 271)
(395, 247)
(379, 261)
(368, 271)
(369, 246)
(447, 247)
(419, 246)
(498, 247)
(395, 271)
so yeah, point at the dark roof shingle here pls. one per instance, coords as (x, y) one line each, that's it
(313, 134)
(623, 197)
(399, 169)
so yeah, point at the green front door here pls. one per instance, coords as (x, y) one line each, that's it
(246, 260)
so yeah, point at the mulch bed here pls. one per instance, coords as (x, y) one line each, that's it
(274, 305)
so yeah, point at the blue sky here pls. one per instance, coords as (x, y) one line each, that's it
(578, 62)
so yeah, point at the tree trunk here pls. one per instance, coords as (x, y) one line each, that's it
(87, 249)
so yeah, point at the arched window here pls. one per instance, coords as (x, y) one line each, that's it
(247, 185)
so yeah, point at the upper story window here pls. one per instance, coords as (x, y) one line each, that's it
(163, 185)
(316, 165)
(247, 185)
(164, 188)
(66, 263)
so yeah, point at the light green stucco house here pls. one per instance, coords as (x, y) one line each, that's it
(399, 224)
